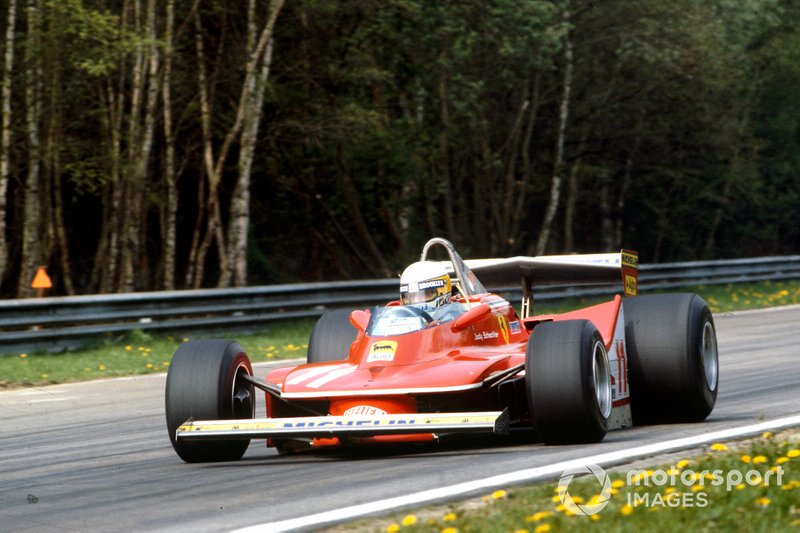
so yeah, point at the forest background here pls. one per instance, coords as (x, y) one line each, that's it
(167, 144)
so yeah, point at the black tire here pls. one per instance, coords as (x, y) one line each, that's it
(202, 384)
(568, 382)
(673, 362)
(331, 337)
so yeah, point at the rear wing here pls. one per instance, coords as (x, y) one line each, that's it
(579, 269)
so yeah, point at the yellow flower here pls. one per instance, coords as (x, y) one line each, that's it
(793, 453)
(149, 365)
(409, 520)
(626, 510)
(766, 435)
(499, 494)
(618, 484)
(101, 366)
(577, 499)
(542, 528)
(23, 355)
(763, 501)
(128, 348)
(759, 459)
(393, 528)
(740, 486)
(555, 499)
(745, 458)
(781, 460)
(541, 515)
(682, 464)
(450, 530)
(697, 488)
(669, 490)
(719, 447)
(449, 517)
(594, 517)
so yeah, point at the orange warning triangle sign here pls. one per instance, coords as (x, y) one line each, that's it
(41, 280)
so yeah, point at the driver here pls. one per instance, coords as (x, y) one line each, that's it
(426, 286)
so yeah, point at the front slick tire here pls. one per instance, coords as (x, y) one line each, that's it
(204, 383)
(568, 382)
(672, 358)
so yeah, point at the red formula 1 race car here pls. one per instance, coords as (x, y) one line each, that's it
(449, 357)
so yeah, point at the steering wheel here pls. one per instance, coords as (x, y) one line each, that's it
(413, 311)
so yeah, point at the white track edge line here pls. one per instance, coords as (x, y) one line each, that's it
(527, 475)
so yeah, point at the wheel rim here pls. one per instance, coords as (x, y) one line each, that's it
(708, 355)
(242, 398)
(602, 378)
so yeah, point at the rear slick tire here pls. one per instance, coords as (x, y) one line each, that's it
(673, 359)
(331, 337)
(204, 383)
(568, 382)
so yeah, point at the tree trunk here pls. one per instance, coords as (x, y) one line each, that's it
(32, 254)
(170, 207)
(240, 202)
(555, 182)
(5, 134)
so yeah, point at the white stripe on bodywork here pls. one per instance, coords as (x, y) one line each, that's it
(333, 374)
(306, 373)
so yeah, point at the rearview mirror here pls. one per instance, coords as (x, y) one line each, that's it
(360, 319)
(471, 317)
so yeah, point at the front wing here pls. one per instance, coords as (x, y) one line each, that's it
(345, 426)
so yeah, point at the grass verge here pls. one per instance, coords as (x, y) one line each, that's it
(751, 485)
(139, 352)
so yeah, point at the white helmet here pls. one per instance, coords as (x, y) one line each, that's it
(425, 285)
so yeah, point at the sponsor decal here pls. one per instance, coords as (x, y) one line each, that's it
(348, 423)
(364, 410)
(514, 327)
(432, 283)
(630, 285)
(382, 351)
(503, 324)
(630, 260)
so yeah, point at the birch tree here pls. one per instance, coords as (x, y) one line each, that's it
(5, 128)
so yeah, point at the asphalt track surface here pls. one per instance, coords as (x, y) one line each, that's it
(96, 456)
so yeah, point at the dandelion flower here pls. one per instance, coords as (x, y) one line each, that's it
(449, 517)
(745, 458)
(626, 510)
(542, 528)
(618, 484)
(23, 355)
(409, 520)
(128, 348)
(766, 435)
(541, 515)
(793, 453)
(499, 494)
(763, 501)
(719, 447)
(759, 459)
(450, 530)
(393, 528)
(683, 463)
(781, 460)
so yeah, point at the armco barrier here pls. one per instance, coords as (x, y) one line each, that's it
(59, 323)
